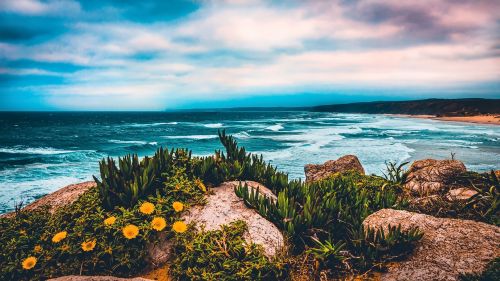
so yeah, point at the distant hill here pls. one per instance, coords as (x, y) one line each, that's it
(437, 107)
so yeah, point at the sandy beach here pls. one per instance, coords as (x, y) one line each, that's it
(478, 119)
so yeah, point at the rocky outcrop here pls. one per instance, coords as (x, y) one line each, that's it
(315, 172)
(96, 278)
(224, 207)
(59, 198)
(431, 176)
(449, 247)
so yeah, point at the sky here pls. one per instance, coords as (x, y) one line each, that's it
(157, 55)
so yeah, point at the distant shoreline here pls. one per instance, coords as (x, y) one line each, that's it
(477, 119)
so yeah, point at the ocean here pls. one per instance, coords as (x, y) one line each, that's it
(43, 151)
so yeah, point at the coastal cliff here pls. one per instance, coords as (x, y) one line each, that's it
(232, 216)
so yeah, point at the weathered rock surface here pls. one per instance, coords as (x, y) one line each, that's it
(60, 198)
(224, 207)
(430, 176)
(449, 246)
(315, 172)
(96, 278)
(460, 194)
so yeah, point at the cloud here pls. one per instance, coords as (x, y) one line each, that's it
(230, 49)
(35, 7)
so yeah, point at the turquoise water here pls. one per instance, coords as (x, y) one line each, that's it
(41, 152)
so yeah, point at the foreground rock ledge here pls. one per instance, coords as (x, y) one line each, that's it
(449, 246)
(316, 172)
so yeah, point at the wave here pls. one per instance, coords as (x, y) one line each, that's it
(134, 142)
(34, 150)
(275, 128)
(193, 137)
(215, 125)
(151, 124)
(242, 135)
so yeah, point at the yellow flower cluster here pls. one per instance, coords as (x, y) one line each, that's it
(130, 231)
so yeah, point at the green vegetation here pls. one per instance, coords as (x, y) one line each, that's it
(224, 255)
(110, 250)
(108, 229)
(484, 206)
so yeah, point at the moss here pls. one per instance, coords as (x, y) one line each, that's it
(223, 255)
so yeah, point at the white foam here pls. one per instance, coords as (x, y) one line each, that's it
(193, 137)
(275, 128)
(128, 142)
(215, 125)
(34, 150)
(242, 135)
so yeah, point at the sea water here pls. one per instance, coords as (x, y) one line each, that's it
(43, 151)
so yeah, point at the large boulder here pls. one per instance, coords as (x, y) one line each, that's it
(449, 247)
(223, 207)
(431, 176)
(315, 172)
(59, 198)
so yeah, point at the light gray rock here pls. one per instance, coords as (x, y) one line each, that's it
(449, 247)
(223, 207)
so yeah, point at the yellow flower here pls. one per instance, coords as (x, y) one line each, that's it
(109, 221)
(59, 236)
(147, 208)
(200, 184)
(88, 245)
(179, 227)
(178, 206)
(130, 231)
(109, 250)
(29, 263)
(37, 249)
(158, 223)
(65, 247)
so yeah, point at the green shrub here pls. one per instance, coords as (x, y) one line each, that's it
(83, 220)
(223, 255)
(134, 180)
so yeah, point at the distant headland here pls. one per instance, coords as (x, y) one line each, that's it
(475, 110)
